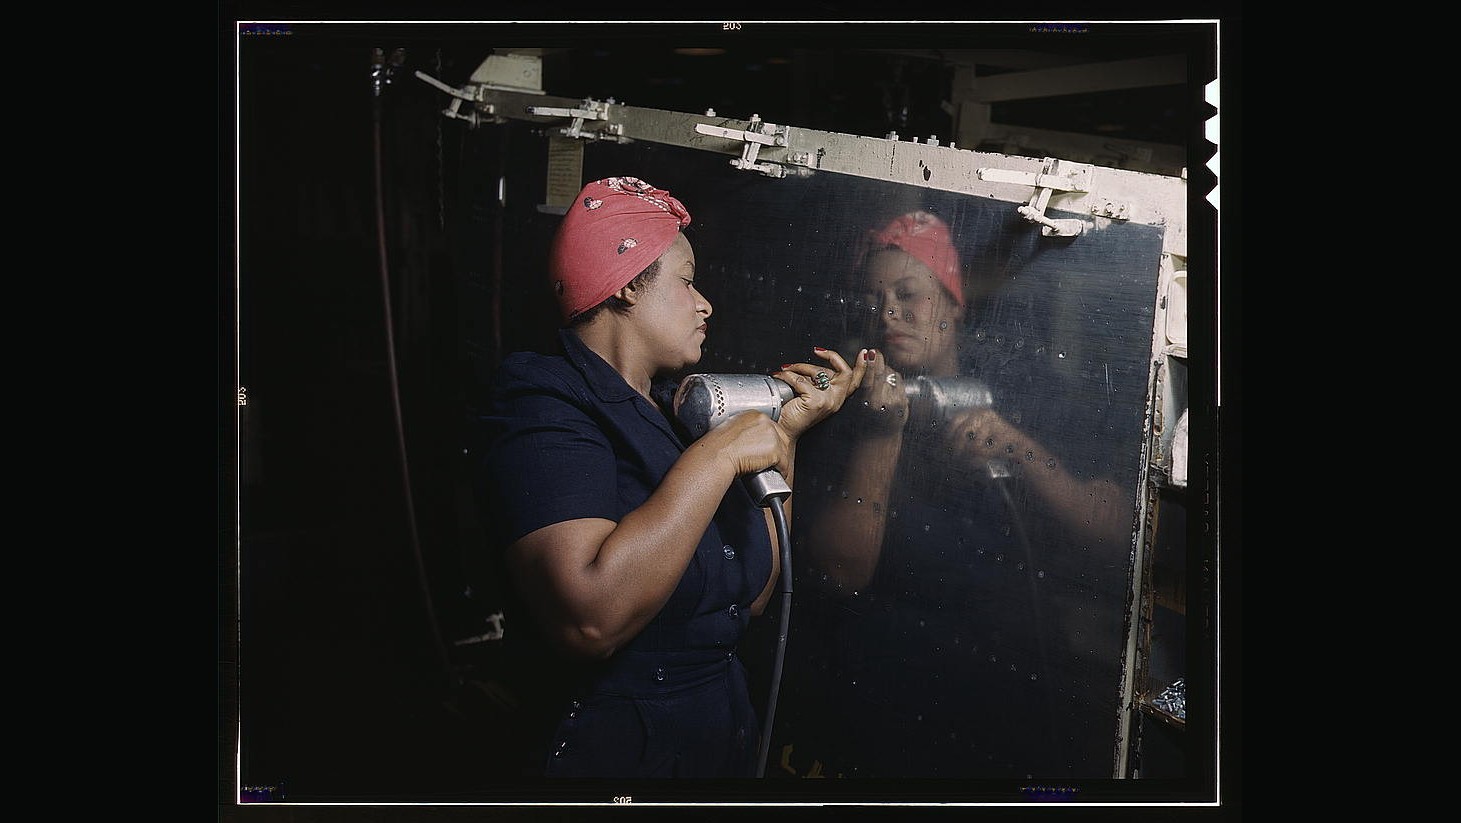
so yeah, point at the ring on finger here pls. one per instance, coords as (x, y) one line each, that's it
(892, 380)
(822, 380)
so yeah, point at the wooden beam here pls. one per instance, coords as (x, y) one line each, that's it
(971, 118)
(1114, 152)
(1082, 79)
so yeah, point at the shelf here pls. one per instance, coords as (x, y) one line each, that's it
(1169, 590)
(1164, 716)
(1174, 600)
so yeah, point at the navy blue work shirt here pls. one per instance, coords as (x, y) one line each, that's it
(568, 438)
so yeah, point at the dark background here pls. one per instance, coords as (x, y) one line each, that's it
(350, 592)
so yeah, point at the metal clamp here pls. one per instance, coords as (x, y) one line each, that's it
(753, 139)
(590, 110)
(458, 97)
(1055, 175)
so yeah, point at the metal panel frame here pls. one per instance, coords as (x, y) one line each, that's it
(1139, 197)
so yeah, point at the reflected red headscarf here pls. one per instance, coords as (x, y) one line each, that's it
(925, 237)
(611, 233)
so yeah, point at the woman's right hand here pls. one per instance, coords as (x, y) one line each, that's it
(750, 441)
(882, 400)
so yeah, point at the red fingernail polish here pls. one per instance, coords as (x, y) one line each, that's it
(869, 355)
(785, 366)
(818, 348)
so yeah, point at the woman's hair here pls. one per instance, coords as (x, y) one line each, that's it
(612, 302)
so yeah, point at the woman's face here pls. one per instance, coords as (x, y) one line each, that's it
(673, 313)
(915, 320)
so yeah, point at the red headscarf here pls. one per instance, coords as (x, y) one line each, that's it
(611, 233)
(926, 238)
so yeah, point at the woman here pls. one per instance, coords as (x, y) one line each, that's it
(640, 557)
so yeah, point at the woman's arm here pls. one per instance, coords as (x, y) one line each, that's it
(1085, 506)
(844, 537)
(844, 533)
(594, 584)
(810, 407)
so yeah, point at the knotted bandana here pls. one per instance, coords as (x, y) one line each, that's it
(926, 238)
(611, 233)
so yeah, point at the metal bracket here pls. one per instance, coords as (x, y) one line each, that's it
(808, 161)
(753, 139)
(459, 96)
(1115, 211)
(472, 117)
(1055, 175)
(590, 110)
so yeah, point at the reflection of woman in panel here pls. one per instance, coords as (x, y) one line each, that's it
(912, 279)
(934, 643)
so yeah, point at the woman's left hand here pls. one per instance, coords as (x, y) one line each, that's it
(981, 435)
(820, 390)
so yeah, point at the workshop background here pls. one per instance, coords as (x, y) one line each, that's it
(357, 669)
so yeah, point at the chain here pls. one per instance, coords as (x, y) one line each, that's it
(440, 163)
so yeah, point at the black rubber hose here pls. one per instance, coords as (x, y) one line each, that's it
(783, 534)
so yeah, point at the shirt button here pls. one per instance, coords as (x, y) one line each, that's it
(730, 553)
(733, 611)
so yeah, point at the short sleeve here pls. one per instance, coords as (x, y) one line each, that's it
(546, 459)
